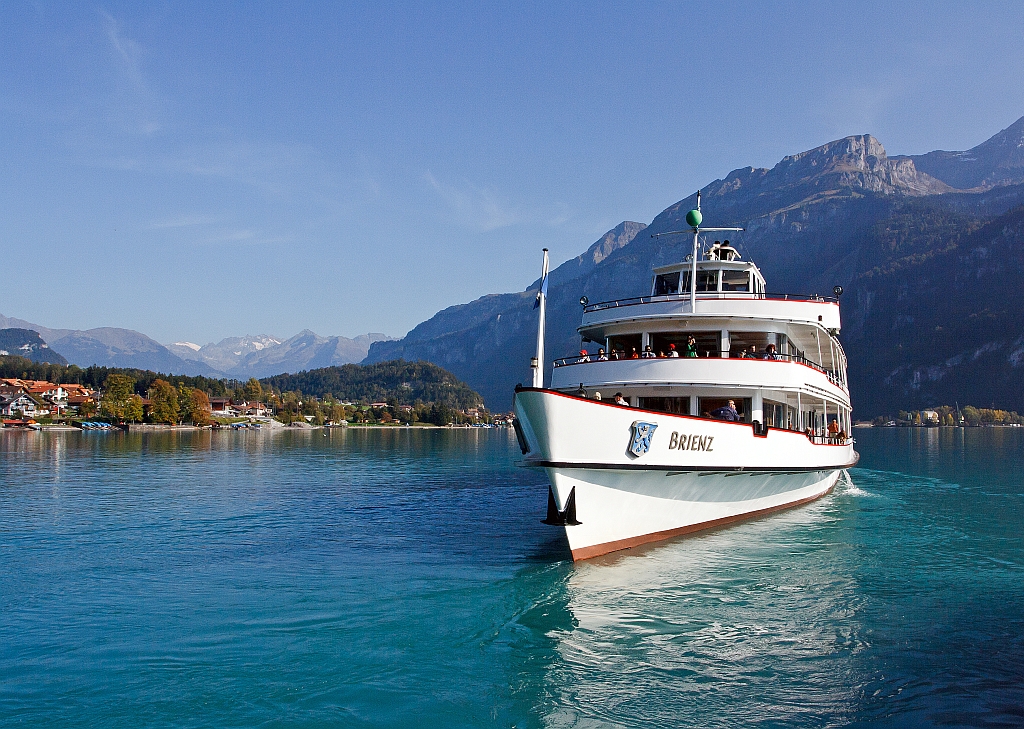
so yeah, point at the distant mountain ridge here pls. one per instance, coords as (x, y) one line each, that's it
(28, 344)
(842, 213)
(235, 357)
(996, 161)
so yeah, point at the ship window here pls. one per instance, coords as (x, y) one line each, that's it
(624, 345)
(666, 284)
(739, 341)
(707, 280)
(675, 405)
(774, 414)
(708, 343)
(735, 281)
(710, 404)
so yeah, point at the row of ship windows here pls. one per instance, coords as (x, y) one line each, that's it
(707, 281)
(775, 414)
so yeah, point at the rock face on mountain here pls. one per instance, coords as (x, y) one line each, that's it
(28, 344)
(997, 161)
(832, 215)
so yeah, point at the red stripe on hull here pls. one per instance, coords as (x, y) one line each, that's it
(597, 550)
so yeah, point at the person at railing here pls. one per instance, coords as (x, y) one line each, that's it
(597, 395)
(634, 354)
(648, 353)
(691, 346)
(833, 431)
(770, 352)
(672, 351)
(726, 412)
(619, 400)
(601, 356)
(584, 356)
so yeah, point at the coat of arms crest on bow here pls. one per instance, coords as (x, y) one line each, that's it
(642, 434)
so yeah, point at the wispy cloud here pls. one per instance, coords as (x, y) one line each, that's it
(135, 103)
(473, 207)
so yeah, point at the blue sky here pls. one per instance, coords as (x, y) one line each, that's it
(196, 171)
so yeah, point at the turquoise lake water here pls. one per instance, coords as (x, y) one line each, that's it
(398, 578)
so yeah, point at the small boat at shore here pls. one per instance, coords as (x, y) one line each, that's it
(729, 403)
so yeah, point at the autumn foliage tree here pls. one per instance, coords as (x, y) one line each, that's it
(117, 397)
(163, 402)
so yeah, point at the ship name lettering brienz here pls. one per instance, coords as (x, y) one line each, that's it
(683, 442)
(749, 386)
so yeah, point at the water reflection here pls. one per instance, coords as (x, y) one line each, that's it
(750, 624)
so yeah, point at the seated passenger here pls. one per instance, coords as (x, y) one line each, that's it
(648, 353)
(672, 351)
(753, 352)
(770, 352)
(745, 353)
(601, 356)
(619, 400)
(584, 356)
(727, 412)
(597, 395)
(635, 354)
(661, 354)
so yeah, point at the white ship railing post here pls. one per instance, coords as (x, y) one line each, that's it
(538, 362)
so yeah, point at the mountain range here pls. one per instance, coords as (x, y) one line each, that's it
(929, 248)
(236, 357)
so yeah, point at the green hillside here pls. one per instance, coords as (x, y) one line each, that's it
(406, 383)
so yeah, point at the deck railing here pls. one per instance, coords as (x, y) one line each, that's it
(705, 354)
(705, 296)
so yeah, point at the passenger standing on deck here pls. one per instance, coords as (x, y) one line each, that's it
(833, 431)
(691, 346)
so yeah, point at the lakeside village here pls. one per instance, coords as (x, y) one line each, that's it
(39, 404)
(946, 416)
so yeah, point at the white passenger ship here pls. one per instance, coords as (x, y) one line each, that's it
(665, 463)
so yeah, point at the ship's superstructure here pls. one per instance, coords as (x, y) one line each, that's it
(732, 402)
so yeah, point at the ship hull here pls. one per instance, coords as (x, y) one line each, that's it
(690, 474)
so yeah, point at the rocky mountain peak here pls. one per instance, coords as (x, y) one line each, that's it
(856, 162)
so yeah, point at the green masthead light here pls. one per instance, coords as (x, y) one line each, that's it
(693, 218)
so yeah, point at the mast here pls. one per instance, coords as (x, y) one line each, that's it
(537, 364)
(693, 219)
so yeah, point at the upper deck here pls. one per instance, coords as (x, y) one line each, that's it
(810, 310)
